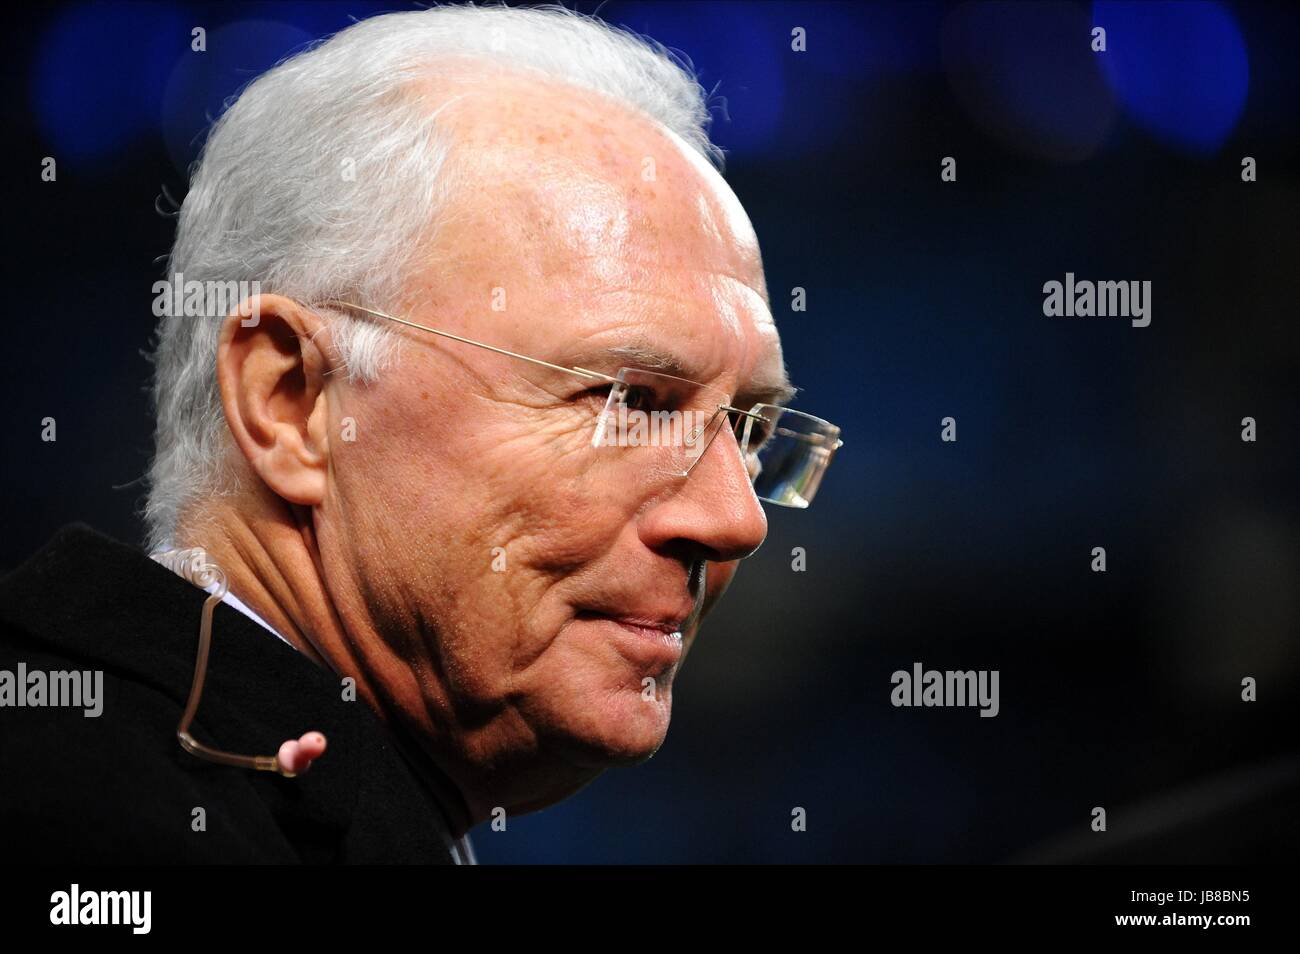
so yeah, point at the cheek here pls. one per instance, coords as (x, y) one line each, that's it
(520, 521)
(481, 526)
(551, 503)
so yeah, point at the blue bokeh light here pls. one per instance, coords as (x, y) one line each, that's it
(199, 86)
(739, 55)
(1026, 74)
(1180, 70)
(858, 41)
(98, 73)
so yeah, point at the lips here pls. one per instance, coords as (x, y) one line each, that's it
(651, 624)
(652, 641)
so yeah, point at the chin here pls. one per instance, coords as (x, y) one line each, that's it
(620, 728)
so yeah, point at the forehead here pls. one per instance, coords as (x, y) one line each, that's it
(594, 227)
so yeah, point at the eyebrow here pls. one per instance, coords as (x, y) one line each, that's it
(764, 390)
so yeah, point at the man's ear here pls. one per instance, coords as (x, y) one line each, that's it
(272, 374)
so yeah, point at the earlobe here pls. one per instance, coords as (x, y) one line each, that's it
(271, 374)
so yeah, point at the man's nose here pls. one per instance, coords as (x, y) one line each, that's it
(714, 510)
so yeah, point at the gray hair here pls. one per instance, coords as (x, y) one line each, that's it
(268, 201)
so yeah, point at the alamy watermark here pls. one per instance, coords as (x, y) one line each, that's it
(78, 689)
(178, 298)
(74, 906)
(948, 687)
(1089, 299)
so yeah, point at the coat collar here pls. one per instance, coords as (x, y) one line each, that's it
(105, 605)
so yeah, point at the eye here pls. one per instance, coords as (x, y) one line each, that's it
(632, 396)
(638, 398)
(596, 396)
(759, 431)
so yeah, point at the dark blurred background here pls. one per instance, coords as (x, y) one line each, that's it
(924, 300)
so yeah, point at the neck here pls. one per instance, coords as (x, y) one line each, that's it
(274, 567)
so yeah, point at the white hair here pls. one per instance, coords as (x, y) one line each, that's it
(269, 201)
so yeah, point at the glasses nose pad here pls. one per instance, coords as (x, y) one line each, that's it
(700, 438)
(693, 435)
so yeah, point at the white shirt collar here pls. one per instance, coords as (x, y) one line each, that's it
(240, 605)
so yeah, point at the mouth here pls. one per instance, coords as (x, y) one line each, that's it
(653, 641)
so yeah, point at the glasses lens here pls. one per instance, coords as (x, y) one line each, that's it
(659, 422)
(787, 453)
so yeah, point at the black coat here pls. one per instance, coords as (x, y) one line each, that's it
(118, 788)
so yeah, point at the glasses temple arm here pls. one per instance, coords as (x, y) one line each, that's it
(736, 410)
(478, 344)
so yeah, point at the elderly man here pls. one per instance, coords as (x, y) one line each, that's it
(480, 454)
